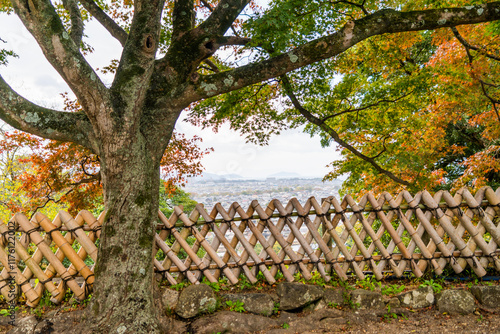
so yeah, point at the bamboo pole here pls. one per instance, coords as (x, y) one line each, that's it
(183, 243)
(285, 245)
(31, 296)
(168, 252)
(66, 248)
(82, 238)
(23, 254)
(206, 246)
(330, 230)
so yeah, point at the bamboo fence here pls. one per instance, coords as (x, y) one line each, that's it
(335, 239)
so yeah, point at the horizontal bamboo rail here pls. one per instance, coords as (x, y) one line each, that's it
(375, 235)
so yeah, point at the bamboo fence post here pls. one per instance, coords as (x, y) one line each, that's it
(37, 258)
(269, 250)
(414, 235)
(448, 227)
(485, 260)
(373, 236)
(66, 248)
(207, 259)
(23, 254)
(82, 238)
(356, 238)
(392, 216)
(390, 229)
(282, 222)
(194, 215)
(176, 247)
(249, 249)
(31, 296)
(265, 221)
(173, 256)
(436, 238)
(319, 240)
(183, 243)
(206, 246)
(169, 277)
(4, 287)
(350, 231)
(474, 232)
(439, 232)
(285, 245)
(233, 244)
(486, 222)
(330, 230)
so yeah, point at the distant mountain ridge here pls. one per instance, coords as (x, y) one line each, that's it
(206, 176)
(286, 175)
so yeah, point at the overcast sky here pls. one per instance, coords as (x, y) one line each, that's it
(33, 77)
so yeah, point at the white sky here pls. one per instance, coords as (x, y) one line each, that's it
(33, 77)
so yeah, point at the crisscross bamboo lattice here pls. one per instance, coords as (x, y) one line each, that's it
(405, 233)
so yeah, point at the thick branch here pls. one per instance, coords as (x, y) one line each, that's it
(75, 15)
(223, 16)
(381, 22)
(183, 17)
(207, 5)
(138, 57)
(335, 136)
(29, 117)
(233, 40)
(111, 26)
(44, 24)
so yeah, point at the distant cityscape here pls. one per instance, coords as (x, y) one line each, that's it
(226, 189)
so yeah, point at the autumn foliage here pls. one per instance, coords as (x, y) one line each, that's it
(44, 172)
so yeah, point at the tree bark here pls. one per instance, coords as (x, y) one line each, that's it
(123, 301)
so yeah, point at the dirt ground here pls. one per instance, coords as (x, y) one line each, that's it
(428, 321)
(432, 322)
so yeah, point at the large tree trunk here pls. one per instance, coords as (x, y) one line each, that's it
(123, 301)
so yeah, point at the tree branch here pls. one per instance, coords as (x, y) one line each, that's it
(233, 40)
(43, 22)
(483, 84)
(223, 16)
(75, 15)
(349, 110)
(29, 117)
(183, 17)
(471, 47)
(381, 22)
(335, 136)
(138, 57)
(207, 5)
(108, 23)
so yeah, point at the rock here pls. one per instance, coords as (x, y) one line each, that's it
(365, 299)
(256, 303)
(419, 298)
(196, 299)
(393, 303)
(170, 298)
(24, 325)
(488, 296)
(456, 302)
(334, 297)
(232, 322)
(326, 319)
(296, 295)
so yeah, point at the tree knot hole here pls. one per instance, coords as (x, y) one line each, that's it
(149, 43)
